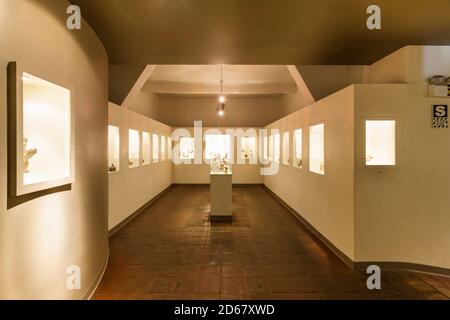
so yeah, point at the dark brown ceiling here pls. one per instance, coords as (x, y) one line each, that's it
(141, 32)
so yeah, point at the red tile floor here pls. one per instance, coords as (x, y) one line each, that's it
(172, 251)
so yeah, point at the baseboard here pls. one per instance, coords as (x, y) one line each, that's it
(124, 222)
(362, 266)
(190, 184)
(90, 292)
(207, 184)
(342, 256)
(359, 266)
(221, 218)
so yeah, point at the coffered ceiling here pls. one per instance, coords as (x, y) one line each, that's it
(205, 80)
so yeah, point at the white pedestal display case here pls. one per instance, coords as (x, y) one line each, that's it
(40, 132)
(221, 195)
(113, 149)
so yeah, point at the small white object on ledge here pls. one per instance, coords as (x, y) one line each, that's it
(438, 91)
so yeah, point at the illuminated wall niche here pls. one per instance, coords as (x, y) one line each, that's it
(40, 130)
(146, 148)
(271, 148)
(169, 148)
(380, 143)
(163, 148)
(298, 148)
(317, 148)
(155, 145)
(113, 149)
(276, 147)
(265, 154)
(187, 148)
(217, 146)
(133, 148)
(286, 154)
(248, 148)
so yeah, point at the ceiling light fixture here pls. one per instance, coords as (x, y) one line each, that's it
(221, 108)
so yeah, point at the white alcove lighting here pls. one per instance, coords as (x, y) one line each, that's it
(298, 148)
(286, 148)
(187, 148)
(133, 148)
(317, 148)
(380, 143)
(113, 149)
(155, 145)
(146, 148)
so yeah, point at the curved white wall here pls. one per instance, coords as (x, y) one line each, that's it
(40, 238)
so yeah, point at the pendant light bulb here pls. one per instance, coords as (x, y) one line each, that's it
(221, 110)
(222, 99)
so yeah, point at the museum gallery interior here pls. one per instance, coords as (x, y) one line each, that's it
(224, 150)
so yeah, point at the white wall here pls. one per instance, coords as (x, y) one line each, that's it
(199, 173)
(402, 213)
(42, 236)
(411, 64)
(130, 189)
(325, 201)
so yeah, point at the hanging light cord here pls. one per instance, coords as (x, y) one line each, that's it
(221, 79)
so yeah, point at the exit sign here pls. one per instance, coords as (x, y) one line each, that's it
(440, 116)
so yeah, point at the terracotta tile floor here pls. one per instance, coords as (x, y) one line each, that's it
(172, 251)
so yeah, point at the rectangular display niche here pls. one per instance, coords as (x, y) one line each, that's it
(146, 151)
(276, 147)
(155, 145)
(187, 148)
(113, 149)
(40, 132)
(163, 148)
(286, 155)
(298, 153)
(380, 143)
(133, 148)
(248, 148)
(317, 148)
